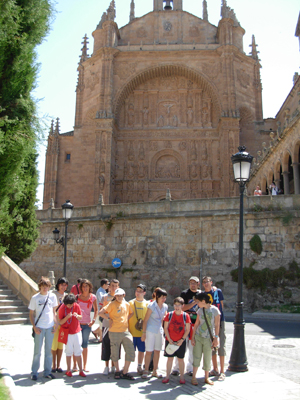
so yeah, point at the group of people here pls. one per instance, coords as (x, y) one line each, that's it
(273, 190)
(195, 325)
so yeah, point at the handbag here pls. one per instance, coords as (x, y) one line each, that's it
(63, 335)
(139, 323)
(33, 332)
(211, 336)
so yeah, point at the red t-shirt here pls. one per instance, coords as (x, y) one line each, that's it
(75, 289)
(176, 326)
(73, 324)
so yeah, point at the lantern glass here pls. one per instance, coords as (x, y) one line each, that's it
(67, 209)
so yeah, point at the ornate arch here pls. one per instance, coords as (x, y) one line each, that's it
(285, 160)
(168, 153)
(166, 70)
(295, 151)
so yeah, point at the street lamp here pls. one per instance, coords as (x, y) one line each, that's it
(67, 214)
(238, 360)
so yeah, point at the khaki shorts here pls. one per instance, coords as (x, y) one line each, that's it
(124, 338)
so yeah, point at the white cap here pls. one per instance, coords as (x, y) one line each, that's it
(171, 349)
(119, 291)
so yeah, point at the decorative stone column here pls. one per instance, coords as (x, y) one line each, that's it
(286, 184)
(296, 178)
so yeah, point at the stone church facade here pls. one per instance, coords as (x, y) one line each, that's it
(162, 103)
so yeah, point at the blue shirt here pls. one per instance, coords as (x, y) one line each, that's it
(154, 323)
(216, 298)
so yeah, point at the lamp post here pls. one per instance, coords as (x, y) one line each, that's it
(67, 208)
(238, 360)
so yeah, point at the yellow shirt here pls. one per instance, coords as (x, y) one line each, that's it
(118, 313)
(141, 308)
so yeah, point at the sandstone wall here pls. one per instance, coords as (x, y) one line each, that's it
(164, 243)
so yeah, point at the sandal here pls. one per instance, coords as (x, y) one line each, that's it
(165, 380)
(209, 382)
(182, 381)
(194, 382)
(156, 375)
(213, 372)
(127, 376)
(222, 377)
(118, 375)
(59, 370)
(145, 375)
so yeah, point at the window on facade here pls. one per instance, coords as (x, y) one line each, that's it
(68, 156)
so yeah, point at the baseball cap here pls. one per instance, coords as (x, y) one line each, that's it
(119, 291)
(143, 287)
(194, 278)
(171, 348)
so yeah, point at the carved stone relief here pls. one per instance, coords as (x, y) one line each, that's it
(167, 167)
(169, 102)
(124, 70)
(243, 78)
(141, 33)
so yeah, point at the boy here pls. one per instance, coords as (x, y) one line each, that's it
(42, 316)
(216, 299)
(201, 339)
(119, 312)
(177, 328)
(69, 316)
(139, 306)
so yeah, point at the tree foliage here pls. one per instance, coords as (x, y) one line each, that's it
(23, 25)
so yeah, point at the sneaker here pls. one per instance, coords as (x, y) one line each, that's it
(81, 373)
(69, 374)
(175, 373)
(50, 376)
(140, 370)
(34, 377)
(190, 373)
(113, 370)
(106, 371)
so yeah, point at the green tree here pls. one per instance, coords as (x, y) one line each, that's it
(23, 25)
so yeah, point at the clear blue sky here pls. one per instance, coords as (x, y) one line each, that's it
(272, 22)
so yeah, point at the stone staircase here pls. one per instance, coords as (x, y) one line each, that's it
(12, 309)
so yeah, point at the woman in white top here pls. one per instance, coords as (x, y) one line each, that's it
(153, 331)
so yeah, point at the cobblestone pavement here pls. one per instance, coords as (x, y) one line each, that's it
(273, 374)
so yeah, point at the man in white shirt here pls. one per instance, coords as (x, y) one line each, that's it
(42, 316)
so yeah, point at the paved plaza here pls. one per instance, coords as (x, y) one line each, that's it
(274, 365)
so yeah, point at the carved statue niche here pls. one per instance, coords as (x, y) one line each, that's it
(206, 171)
(141, 151)
(190, 116)
(101, 182)
(175, 121)
(131, 116)
(193, 171)
(142, 170)
(193, 151)
(160, 122)
(131, 152)
(145, 116)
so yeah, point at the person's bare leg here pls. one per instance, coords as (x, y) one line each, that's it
(79, 362)
(181, 368)
(155, 361)
(59, 356)
(140, 357)
(126, 367)
(207, 379)
(169, 366)
(215, 363)
(84, 356)
(53, 359)
(147, 360)
(222, 364)
(195, 369)
(116, 365)
(74, 363)
(68, 363)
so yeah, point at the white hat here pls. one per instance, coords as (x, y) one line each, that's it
(171, 349)
(119, 291)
